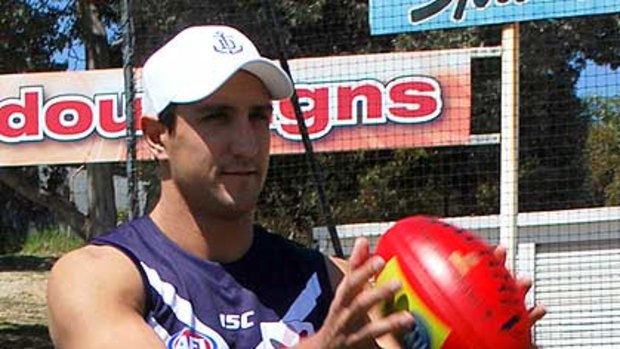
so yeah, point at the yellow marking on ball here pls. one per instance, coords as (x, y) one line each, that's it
(438, 331)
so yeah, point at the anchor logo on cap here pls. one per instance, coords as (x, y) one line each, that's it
(226, 44)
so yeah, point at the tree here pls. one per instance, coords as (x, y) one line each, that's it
(552, 133)
(35, 32)
(603, 148)
(29, 37)
(102, 204)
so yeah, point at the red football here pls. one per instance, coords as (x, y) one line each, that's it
(460, 294)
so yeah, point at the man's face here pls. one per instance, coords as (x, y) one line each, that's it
(218, 151)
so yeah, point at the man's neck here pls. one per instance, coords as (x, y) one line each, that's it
(210, 237)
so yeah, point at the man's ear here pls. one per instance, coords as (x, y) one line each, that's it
(154, 133)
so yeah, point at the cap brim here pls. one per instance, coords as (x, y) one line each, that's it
(273, 77)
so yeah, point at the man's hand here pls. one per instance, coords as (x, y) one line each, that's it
(347, 324)
(524, 284)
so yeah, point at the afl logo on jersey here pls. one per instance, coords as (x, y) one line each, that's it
(190, 339)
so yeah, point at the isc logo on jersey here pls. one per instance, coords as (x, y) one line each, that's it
(190, 339)
(237, 321)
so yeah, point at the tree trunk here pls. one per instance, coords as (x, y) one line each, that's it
(101, 196)
(94, 36)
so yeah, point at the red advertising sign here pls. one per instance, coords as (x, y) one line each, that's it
(350, 102)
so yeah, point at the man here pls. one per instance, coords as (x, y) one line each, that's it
(196, 272)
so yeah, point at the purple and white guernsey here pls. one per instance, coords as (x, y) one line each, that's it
(272, 297)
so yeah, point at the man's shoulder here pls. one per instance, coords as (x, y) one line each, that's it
(90, 256)
(96, 262)
(91, 278)
(92, 288)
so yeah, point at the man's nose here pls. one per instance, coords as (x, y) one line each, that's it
(244, 139)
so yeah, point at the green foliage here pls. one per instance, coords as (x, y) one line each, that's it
(34, 33)
(47, 241)
(603, 148)
(552, 132)
(603, 110)
(30, 36)
(50, 242)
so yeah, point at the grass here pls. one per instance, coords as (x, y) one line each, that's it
(50, 242)
(38, 250)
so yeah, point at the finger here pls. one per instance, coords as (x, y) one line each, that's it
(536, 314)
(359, 254)
(524, 284)
(350, 317)
(357, 279)
(394, 323)
(370, 297)
(354, 315)
(500, 254)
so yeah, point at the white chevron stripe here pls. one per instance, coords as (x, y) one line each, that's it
(181, 307)
(305, 302)
(286, 331)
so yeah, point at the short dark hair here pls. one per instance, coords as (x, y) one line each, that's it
(168, 116)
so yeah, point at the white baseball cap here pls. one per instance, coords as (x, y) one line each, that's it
(197, 61)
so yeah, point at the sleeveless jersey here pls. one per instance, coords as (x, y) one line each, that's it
(276, 294)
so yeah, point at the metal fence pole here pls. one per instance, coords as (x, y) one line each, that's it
(128, 51)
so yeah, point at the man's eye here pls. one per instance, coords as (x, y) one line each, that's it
(214, 116)
(260, 116)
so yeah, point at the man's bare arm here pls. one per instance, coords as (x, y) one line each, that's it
(95, 299)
